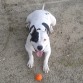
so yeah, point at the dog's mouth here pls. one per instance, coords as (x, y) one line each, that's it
(39, 53)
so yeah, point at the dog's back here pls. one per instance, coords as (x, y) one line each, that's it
(38, 17)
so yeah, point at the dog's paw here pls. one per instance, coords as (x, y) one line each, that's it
(51, 29)
(46, 68)
(30, 63)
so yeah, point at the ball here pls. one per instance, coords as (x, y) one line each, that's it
(38, 77)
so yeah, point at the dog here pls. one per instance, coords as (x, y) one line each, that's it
(40, 24)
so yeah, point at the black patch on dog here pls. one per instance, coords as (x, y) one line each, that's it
(31, 28)
(34, 34)
(46, 26)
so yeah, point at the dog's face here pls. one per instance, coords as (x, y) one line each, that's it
(39, 39)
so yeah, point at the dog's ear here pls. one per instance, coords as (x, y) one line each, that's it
(32, 29)
(46, 27)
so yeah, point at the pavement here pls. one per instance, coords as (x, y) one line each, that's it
(66, 61)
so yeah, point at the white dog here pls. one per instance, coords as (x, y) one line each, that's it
(40, 23)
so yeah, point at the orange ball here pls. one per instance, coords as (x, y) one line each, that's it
(38, 77)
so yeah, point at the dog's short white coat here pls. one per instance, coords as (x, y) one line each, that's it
(36, 18)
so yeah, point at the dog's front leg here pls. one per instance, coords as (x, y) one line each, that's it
(30, 63)
(45, 65)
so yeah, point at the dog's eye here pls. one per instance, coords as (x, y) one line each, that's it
(44, 39)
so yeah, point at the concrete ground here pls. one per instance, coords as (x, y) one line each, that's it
(66, 61)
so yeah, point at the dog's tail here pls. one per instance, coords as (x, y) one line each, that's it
(43, 6)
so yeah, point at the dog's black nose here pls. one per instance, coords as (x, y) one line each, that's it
(39, 47)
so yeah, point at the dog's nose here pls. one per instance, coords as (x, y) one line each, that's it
(39, 47)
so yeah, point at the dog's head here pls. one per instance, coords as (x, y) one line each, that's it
(39, 38)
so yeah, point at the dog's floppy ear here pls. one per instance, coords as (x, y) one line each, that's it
(46, 27)
(32, 28)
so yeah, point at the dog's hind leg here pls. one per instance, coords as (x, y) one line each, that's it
(53, 22)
